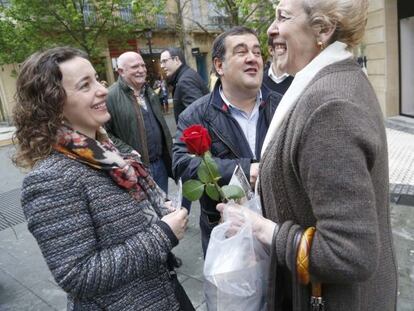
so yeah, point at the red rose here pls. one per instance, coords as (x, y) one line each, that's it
(197, 139)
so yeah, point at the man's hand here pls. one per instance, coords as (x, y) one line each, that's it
(254, 172)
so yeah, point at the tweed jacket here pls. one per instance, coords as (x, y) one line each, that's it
(328, 167)
(105, 249)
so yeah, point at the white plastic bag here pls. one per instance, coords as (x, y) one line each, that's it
(235, 270)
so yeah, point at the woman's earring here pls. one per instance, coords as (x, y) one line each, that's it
(321, 45)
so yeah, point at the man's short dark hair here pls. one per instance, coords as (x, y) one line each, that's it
(176, 52)
(219, 49)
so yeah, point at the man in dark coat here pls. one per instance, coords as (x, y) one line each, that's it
(187, 83)
(235, 115)
(136, 120)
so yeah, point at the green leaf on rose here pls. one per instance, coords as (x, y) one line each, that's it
(212, 192)
(203, 173)
(232, 192)
(193, 189)
(211, 166)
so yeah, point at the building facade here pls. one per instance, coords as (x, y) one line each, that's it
(387, 48)
(191, 25)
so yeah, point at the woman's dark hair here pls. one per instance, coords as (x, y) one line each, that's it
(39, 97)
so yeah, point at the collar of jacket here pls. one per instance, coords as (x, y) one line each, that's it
(125, 87)
(176, 75)
(218, 103)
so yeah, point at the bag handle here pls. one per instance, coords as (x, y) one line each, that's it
(302, 269)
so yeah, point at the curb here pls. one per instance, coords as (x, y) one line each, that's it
(6, 142)
(402, 199)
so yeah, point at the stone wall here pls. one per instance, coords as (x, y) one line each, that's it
(7, 89)
(381, 49)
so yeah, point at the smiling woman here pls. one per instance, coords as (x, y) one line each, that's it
(99, 218)
(85, 108)
(324, 168)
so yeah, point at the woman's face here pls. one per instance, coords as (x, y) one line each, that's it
(85, 107)
(294, 41)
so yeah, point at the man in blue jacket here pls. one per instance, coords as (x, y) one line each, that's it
(235, 115)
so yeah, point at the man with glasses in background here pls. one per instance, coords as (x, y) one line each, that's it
(186, 82)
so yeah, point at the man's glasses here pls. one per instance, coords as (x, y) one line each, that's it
(164, 61)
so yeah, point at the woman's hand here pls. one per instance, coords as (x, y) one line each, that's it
(169, 206)
(262, 228)
(177, 221)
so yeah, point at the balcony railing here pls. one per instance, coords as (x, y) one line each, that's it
(5, 3)
(158, 21)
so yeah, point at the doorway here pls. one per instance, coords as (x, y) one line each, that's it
(407, 65)
(406, 24)
(202, 66)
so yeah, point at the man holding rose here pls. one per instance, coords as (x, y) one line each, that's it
(234, 115)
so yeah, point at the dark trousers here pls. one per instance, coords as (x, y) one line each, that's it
(180, 294)
(207, 223)
(187, 204)
(159, 174)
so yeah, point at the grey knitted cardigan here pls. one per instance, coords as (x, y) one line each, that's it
(328, 167)
(103, 248)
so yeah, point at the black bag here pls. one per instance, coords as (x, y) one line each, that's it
(185, 303)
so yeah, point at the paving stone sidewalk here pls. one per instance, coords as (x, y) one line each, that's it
(26, 283)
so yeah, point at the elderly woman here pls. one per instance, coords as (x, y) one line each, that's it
(99, 218)
(324, 171)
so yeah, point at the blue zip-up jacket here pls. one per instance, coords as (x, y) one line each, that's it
(229, 146)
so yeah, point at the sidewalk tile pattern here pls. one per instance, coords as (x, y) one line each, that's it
(401, 161)
(10, 209)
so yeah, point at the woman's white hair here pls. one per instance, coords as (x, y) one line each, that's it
(348, 16)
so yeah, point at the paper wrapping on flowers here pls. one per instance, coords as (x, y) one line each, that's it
(251, 199)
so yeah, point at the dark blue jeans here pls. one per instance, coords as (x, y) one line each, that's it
(207, 223)
(159, 174)
(187, 204)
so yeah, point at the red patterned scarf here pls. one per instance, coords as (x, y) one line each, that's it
(126, 170)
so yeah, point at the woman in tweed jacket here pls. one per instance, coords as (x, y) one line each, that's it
(325, 166)
(100, 220)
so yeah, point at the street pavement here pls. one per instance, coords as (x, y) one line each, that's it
(26, 283)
